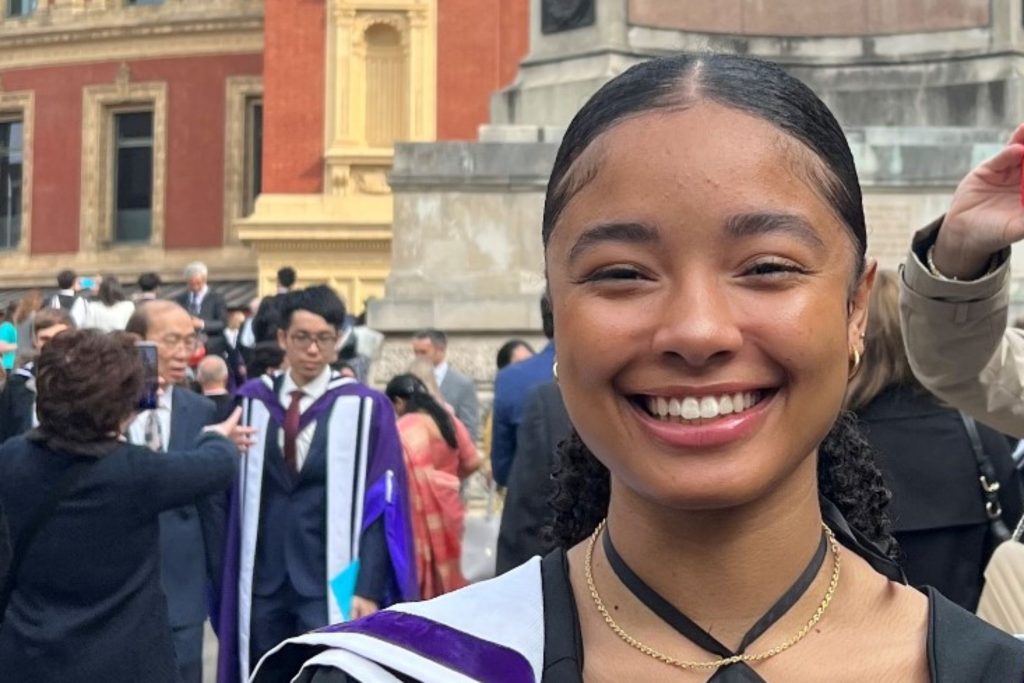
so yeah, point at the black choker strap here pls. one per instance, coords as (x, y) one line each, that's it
(740, 672)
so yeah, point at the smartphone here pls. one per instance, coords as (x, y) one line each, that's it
(151, 380)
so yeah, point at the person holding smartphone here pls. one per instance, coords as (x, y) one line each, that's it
(83, 508)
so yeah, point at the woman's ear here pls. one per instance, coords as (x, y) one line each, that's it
(859, 304)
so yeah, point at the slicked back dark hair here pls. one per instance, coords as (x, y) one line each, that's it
(752, 86)
(320, 300)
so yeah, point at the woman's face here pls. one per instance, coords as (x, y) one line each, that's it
(703, 309)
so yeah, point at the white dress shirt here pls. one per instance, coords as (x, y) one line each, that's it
(79, 309)
(440, 372)
(312, 391)
(137, 429)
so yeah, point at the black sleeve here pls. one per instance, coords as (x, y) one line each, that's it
(374, 563)
(5, 546)
(213, 514)
(170, 480)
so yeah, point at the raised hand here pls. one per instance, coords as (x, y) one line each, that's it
(986, 214)
(240, 434)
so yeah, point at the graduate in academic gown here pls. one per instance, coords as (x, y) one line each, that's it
(717, 517)
(319, 529)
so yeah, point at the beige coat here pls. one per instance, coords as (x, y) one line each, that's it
(958, 342)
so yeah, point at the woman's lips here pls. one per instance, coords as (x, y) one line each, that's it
(706, 433)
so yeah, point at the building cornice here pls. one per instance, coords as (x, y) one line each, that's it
(179, 29)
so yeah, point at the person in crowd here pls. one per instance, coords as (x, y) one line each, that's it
(111, 309)
(459, 390)
(349, 354)
(704, 239)
(439, 454)
(212, 377)
(955, 296)
(246, 336)
(86, 601)
(526, 514)
(286, 277)
(192, 534)
(206, 306)
(233, 352)
(267, 360)
(8, 338)
(18, 398)
(69, 298)
(512, 351)
(512, 387)
(319, 516)
(23, 316)
(149, 284)
(938, 507)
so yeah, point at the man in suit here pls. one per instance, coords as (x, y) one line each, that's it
(526, 513)
(209, 314)
(457, 389)
(191, 537)
(512, 387)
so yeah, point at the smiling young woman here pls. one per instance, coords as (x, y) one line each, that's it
(705, 247)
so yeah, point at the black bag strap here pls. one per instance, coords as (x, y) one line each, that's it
(988, 480)
(42, 515)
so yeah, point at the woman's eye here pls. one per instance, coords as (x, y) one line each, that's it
(774, 268)
(615, 273)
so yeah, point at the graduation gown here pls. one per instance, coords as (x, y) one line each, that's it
(365, 482)
(468, 637)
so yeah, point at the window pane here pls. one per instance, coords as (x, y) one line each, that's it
(136, 125)
(10, 184)
(20, 8)
(133, 191)
(253, 155)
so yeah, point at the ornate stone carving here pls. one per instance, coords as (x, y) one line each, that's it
(564, 15)
(372, 181)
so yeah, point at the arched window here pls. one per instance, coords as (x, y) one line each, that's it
(386, 87)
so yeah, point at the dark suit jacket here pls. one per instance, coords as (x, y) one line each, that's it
(512, 387)
(17, 403)
(214, 313)
(5, 546)
(545, 424)
(88, 604)
(191, 536)
(292, 527)
(937, 510)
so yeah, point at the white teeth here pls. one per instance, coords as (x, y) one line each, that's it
(662, 406)
(675, 407)
(708, 407)
(705, 407)
(691, 408)
(724, 405)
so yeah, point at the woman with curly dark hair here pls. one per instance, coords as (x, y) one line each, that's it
(720, 518)
(83, 597)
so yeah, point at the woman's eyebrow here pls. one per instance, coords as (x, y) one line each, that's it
(767, 222)
(631, 233)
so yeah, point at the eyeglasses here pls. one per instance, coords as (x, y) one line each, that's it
(324, 342)
(172, 341)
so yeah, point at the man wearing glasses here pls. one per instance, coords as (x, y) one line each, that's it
(318, 522)
(191, 537)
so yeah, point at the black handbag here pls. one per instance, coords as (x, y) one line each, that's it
(989, 484)
(42, 515)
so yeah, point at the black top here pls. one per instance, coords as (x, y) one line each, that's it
(961, 647)
(17, 405)
(937, 509)
(88, 604)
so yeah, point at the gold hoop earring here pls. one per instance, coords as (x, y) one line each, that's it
(554, 370)
(855, 364)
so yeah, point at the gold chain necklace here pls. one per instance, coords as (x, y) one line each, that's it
(687, 665)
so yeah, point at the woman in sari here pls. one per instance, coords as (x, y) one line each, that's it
(439, 454)
(719, 516)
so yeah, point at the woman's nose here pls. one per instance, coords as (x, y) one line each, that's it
(697, 324)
